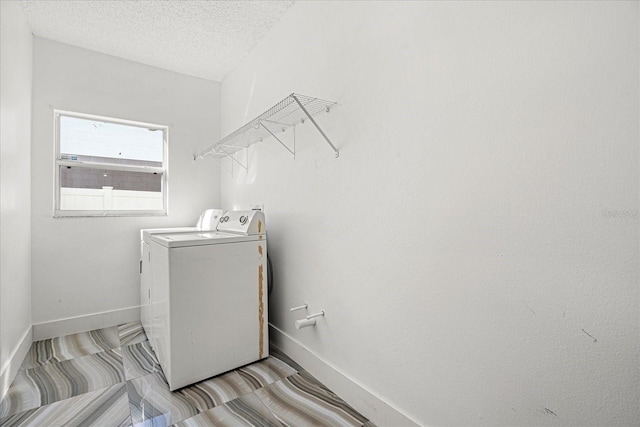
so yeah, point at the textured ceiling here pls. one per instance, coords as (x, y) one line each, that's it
(205, 39)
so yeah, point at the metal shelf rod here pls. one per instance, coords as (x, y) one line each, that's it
(335, 150)
(277, 139)
(234, 159)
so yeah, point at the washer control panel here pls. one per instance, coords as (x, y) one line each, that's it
(242, 222)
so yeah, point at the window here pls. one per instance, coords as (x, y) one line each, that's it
(109, 167)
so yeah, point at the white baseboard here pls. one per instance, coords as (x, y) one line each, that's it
(363, 400)
(89, 322)
(12, 365)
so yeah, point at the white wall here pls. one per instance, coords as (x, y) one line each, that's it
(84, 266)
(16, 48)
(475, 245)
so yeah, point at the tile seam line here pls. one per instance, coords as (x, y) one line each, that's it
(102, 389)
(368, 390)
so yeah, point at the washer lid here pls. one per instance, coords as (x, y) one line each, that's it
(178, 240)
(146, 233)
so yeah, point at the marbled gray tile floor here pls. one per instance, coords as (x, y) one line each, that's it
(111, 377)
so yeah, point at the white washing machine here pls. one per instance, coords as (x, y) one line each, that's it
(207, 221)
(209, 298)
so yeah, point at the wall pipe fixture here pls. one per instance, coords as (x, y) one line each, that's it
(312, 316)
(300, 307)
(310, 320)
(305, 323)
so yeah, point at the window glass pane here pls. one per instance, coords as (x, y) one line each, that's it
(87, 189)
(99, 141)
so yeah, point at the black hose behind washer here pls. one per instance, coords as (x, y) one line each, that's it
(269, 275)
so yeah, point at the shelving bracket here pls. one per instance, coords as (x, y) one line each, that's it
(324, 135)
(293, 152)
(214, 160)
(233, 157)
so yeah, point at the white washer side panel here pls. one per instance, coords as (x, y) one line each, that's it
(218, 309)
(145, 289)
(161, 338)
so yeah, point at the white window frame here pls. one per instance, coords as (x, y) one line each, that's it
(58, 162)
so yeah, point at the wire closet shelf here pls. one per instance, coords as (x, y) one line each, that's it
(291, 111)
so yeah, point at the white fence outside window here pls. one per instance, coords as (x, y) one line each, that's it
(91, 199)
